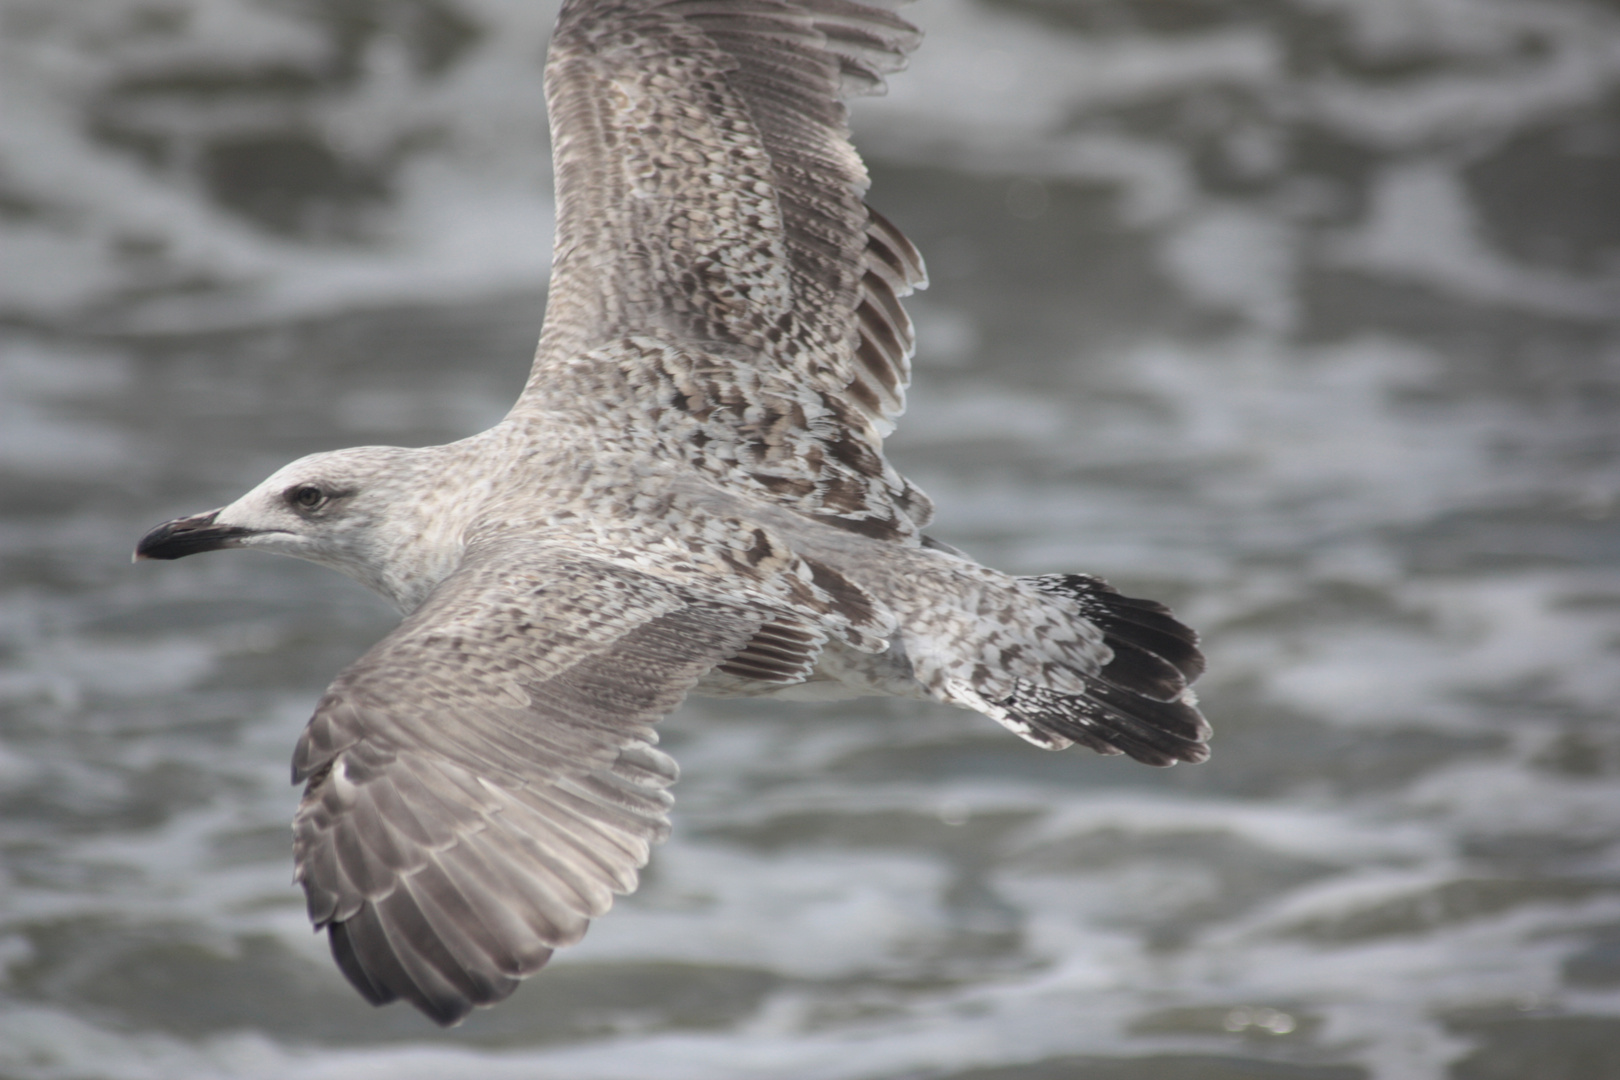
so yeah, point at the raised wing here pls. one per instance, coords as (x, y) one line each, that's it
(708, 198)
(481, 783)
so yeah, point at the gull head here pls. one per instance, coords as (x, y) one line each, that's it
(368, 512)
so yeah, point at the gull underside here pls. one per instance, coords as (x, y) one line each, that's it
(690, 495)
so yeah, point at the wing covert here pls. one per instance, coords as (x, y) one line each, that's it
(481, 783)
(708, 194)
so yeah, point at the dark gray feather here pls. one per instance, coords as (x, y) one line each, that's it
(482, 782)
(708, 195)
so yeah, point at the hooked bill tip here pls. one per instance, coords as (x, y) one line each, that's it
(188, 536)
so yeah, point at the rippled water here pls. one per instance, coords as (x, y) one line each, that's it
(1303, 315)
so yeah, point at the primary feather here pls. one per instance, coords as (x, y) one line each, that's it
(690, 494)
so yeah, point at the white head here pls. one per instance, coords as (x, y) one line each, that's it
(369, 512)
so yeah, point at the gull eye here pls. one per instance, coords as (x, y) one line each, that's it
(306, 496)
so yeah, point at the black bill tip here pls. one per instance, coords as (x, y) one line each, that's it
(187, 536)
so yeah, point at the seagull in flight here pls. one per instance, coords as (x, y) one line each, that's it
(690, 495)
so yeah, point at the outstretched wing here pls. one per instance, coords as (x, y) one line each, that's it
(709, 200)
(481, 783)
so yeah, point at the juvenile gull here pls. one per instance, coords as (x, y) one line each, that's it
(689, 495)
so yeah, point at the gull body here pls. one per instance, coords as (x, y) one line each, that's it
(690, 494)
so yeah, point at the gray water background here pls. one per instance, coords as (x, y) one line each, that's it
(1301, 315)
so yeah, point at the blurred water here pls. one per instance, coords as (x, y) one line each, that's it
(1303, 315)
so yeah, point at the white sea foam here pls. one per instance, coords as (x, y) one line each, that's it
(856, 914)
(1461, 641)
(471, 218)
(1423, 229)
(35, 437)
(1288, 483)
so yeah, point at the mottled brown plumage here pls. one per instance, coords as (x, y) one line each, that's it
(691, 494)
(708, 196)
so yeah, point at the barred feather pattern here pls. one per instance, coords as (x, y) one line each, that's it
(709, 200)
(755, 431)
(480, 784)
(1139, 702)
(690, 495)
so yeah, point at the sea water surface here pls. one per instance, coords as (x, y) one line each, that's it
(1301, 315)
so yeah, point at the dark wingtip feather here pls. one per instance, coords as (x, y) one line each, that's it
(384, 969)
(348, 962)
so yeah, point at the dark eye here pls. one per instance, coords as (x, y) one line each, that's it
(306, 496)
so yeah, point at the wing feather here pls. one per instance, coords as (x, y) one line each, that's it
(708, 198)
(481, 784)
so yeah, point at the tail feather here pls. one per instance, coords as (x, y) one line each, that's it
(1142, 669)
(1057, 659)
(1111, 720)
(1147, 624)
(1139, 702)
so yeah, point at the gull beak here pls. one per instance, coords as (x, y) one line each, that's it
(189, 535)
